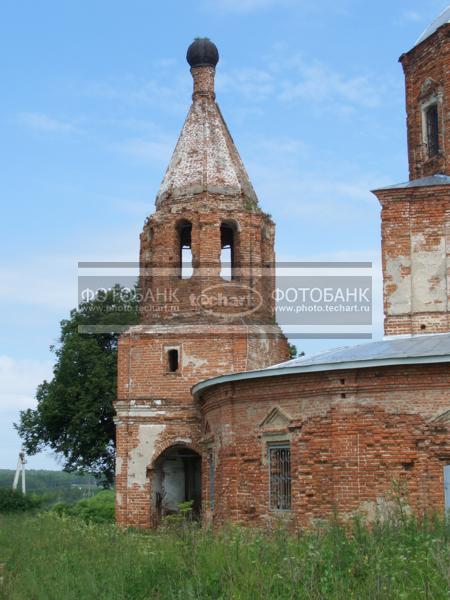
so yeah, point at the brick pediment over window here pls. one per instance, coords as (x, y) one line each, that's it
(276, 420)
(429, 88)
(442, 419)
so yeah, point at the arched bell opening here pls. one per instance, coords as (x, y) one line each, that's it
(177, 479)
(184, 230)
(229, 249)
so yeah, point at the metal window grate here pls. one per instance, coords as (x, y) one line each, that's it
(280, 477)
(432, 130)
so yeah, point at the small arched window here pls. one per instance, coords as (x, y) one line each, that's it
(184, 229)
(228, 250)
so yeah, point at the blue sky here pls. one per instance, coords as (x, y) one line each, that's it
(94, 96)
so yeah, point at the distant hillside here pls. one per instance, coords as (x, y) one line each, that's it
(42, 480)
(53, 486)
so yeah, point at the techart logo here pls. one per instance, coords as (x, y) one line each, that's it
(228, 300)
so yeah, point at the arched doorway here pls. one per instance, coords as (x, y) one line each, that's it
(176, 479)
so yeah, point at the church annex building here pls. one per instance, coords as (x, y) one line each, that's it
(209, 408)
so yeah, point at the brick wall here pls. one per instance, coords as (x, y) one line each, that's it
(248, 297)
(155, 408)
(352, 435)
(415, 229)
(426, 69)
(415, 221)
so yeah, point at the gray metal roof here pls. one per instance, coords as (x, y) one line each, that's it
(408, 347)
(438, 179)
(419, 349)
(442, 19)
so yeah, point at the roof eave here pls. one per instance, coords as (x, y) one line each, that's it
(432, 181)
(422, 40)
(200, 387)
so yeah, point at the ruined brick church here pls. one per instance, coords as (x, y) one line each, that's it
(209, 408)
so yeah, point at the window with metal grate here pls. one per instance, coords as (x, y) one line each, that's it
(280, 477)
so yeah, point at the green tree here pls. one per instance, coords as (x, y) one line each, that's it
(292, 351)
(98, 509)
(74, 413)
(15, 501)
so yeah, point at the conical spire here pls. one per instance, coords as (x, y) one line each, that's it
(205, 158)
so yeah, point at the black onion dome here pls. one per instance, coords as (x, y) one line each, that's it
(202, 52)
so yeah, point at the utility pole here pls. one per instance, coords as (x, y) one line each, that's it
(20, 469)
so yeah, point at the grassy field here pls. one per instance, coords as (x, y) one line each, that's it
(49, 557)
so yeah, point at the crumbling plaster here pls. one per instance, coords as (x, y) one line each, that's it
(141, 455)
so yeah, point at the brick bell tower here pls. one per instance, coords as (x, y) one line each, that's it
(207, 282)
(416, 215)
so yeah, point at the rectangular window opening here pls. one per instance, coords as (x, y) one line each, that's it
(280, 477)
(172, 360)
(432, 122)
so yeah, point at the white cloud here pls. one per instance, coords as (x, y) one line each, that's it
(167, 90)
(138, 208)
(286, 77)
(41, 281)
(331, 199)
(412, 15)
(252, 6)
(254, 84)
(319, 83)
(286, 147)
(46, 124)
(164, 63)
(245, 6)
(290, 77)
(157, 150)
(19, 380)
(423, 12)
(313, 196)
(329, 192)
(50, 282)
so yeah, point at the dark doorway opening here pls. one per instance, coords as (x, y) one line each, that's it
(177, 479)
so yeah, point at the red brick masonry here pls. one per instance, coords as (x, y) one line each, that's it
(415, 229)
(354, 435)
(426, 69)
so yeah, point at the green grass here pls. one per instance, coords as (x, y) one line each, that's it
(51, 557)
